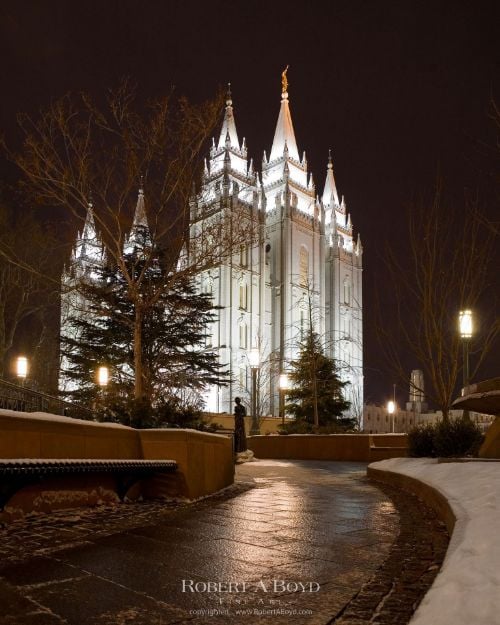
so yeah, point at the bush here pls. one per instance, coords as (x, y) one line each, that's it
(300, 426)
(446, 439)
(297, 426)
(421, 441)
(457, 438)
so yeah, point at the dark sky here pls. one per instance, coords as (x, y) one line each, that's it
(395, 89)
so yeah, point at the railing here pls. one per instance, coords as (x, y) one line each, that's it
(23, 399)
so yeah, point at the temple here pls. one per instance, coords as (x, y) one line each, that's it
(301, 270)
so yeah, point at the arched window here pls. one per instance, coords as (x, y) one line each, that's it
(243, 295)
(242, 377)
(208, 285)
(243, 335)
(244, 255)
(303, 266)
(347, 291)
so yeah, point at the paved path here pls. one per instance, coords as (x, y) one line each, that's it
(296, 540)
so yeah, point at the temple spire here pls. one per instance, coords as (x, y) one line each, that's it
(284, 134)
(140, 217)
(330, 195)
(228, 125)
(88, 247)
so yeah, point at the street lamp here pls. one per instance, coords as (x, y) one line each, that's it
(103, 376)
(102, 382)
(466, 328)
(284, 386)
(254, 362)
(391, 407)
(22, 369)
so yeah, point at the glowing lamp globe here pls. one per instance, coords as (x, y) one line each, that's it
(284, 382)
(22, 367)
(103, 376)
(253, 358)
(465, 324)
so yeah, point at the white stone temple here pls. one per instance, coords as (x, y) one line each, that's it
(304, 266)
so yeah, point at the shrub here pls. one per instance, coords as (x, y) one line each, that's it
(300, 426)
(446, 439)
(421, 441)
(297, 426)
(456, 438)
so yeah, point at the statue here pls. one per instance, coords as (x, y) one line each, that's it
(284, 80)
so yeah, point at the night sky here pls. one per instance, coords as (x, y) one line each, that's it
(395, 89)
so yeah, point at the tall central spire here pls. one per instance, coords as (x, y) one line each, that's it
(330, 195)
(284, 135)
(228, 125)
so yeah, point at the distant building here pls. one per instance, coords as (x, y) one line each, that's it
(377, 420)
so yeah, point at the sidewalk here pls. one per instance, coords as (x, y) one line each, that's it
(292, 542)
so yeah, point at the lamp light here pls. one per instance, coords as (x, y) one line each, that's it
(284, 382)
(465, 324)
(103, 376)
(253, 358)
(22, 367)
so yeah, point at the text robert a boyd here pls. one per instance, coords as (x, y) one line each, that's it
(273, 586)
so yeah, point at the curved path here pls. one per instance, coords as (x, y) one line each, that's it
(292, 542)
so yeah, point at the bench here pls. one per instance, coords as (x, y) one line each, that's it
(15, 474)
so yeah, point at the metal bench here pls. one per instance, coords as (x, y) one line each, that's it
(15, 474)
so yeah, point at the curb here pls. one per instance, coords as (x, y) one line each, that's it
(428, 494)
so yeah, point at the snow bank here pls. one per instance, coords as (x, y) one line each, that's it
(46, 416)
(467, 590)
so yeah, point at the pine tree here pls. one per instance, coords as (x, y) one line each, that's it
(175, 363)
(316, 395)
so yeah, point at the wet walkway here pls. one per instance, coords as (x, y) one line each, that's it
(292, 542)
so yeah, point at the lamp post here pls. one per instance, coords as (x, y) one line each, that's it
(391, 407)
(284, 385)
(22, 369)
(466, 328)
(253, 360)
(102, 376)
(102, 382)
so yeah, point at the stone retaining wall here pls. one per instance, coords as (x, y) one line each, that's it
(427, 493)
(353, 447)
(205, 461)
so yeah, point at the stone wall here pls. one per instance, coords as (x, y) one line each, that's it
(41, 435)
(205, 461)
(353, 447)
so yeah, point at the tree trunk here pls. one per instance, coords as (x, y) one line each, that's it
(315, 397)
(138, 368)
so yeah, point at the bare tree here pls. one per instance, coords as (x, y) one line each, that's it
(356, 408)
(446, 266)
(23, 293)
(78, 148)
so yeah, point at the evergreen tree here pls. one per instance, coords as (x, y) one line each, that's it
(316, 395)
(176, 367)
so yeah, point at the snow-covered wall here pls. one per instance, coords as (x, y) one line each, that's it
(467, 589)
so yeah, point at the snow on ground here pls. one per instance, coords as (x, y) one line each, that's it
(467, 590)
(46, 416)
